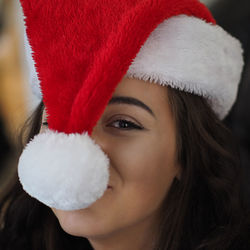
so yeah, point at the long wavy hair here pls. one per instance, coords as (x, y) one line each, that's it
(203, 210)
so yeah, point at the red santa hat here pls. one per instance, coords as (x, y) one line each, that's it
(83, 49)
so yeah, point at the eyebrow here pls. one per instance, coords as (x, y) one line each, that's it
(130, 101)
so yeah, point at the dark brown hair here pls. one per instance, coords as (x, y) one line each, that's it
(203, 209)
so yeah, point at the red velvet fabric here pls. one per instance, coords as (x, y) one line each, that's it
(82, 49)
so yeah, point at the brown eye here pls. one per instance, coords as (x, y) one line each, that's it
(124, 125)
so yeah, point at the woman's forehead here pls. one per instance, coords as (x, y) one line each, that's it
(45, 115)
(152, 94)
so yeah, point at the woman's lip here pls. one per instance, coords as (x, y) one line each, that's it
(109, 186)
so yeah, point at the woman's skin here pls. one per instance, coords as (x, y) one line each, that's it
(142, 167)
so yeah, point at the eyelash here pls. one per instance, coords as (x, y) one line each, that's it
(132, 125)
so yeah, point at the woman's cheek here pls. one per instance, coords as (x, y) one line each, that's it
(148, 162)
(135, 158)
(131, 154)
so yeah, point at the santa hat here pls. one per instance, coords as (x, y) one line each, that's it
(83, 49)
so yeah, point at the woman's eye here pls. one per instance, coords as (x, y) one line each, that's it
(45, 124)
(124, 125)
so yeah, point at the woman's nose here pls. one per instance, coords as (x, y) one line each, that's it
(99, 138)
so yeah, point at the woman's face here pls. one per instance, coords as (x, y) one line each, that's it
(137, 132)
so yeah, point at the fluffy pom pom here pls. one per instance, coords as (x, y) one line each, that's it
(64, 171)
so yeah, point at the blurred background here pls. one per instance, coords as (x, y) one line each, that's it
(17, 99)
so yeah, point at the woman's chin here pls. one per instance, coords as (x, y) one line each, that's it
(82, 223)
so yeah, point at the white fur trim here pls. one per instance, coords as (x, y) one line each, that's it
(191, 55)
(63, 171)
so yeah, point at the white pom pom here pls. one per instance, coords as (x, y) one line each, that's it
(64, 171)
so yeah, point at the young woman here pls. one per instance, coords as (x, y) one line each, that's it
(174, 180)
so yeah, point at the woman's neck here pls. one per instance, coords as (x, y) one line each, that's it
(141, 236)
